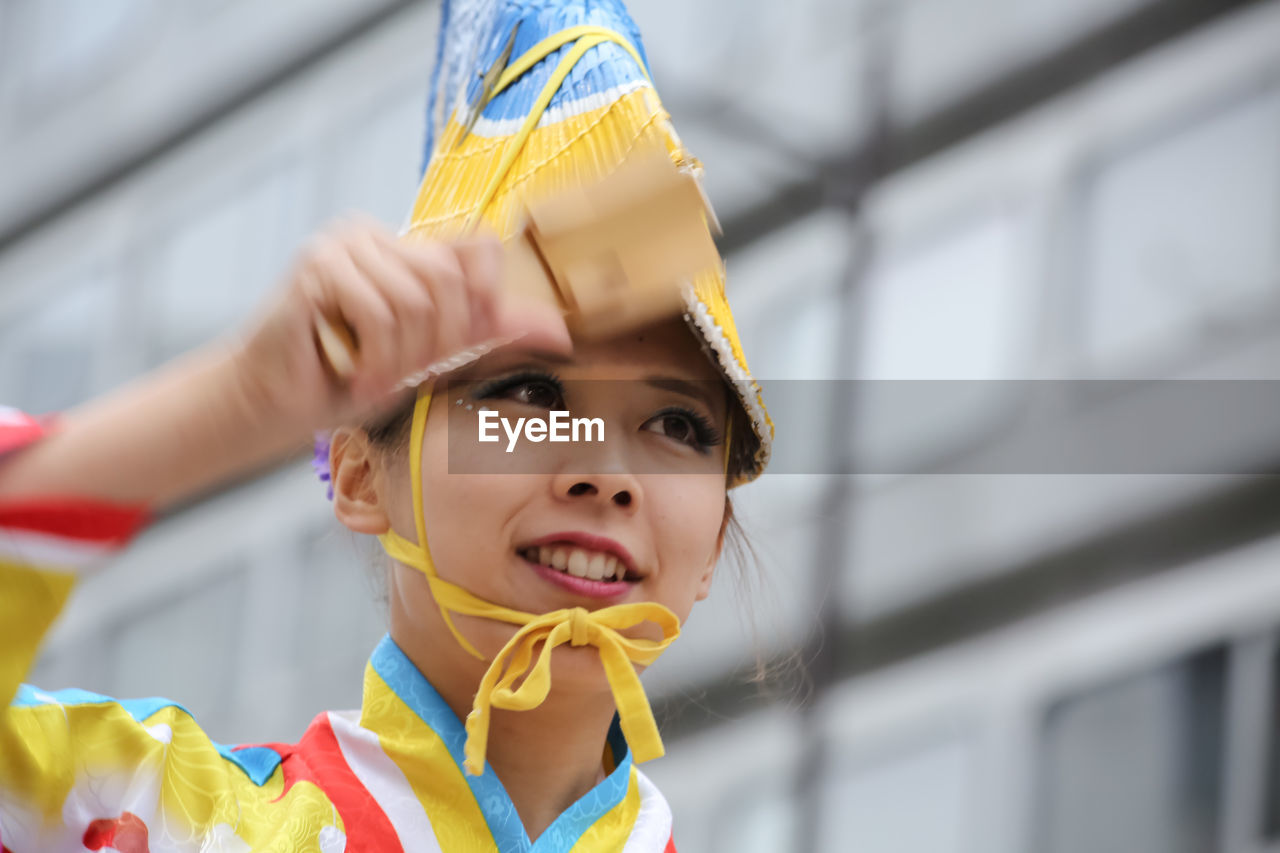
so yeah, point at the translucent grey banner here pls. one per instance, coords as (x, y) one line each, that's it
(870, 427)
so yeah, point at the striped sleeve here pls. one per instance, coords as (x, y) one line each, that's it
(46, 542)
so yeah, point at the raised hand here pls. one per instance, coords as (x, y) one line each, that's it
(403, 306)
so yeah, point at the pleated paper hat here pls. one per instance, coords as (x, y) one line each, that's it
(533, 96)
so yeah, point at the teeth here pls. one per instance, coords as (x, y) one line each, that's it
(595, 568)
(577, 562)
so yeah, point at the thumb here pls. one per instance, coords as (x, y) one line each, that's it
(496, 313)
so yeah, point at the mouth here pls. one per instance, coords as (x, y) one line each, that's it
(596, 559)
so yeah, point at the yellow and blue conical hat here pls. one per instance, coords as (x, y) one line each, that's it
(532, 96)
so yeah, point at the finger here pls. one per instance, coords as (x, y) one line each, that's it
(411, 304)
(438, 271)
(336, 345)
(362, 306)
(481, 260)
(498, 315)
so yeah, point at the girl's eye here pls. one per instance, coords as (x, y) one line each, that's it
(531, 389)
(540, 394)
(674, 426)
(685, 427)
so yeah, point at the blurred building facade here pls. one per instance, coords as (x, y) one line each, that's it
(1017, 193)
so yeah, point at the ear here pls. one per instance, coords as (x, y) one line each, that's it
(357, 487)
(708, 573)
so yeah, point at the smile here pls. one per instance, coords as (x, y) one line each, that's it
(577, 561)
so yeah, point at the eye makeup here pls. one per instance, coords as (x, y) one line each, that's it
(703, 435)
(550, 386)
(534, 385)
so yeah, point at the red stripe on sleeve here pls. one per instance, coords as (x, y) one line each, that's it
(95, 521)
(317, 758)
(671, 845)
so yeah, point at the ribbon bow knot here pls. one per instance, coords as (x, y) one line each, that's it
(578, 626)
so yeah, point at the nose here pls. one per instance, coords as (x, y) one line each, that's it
(616, 489)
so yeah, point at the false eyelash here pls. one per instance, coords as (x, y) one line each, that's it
(502, 384)
(704, 433)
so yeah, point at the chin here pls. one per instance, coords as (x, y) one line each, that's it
(577, 669)
(579, 666)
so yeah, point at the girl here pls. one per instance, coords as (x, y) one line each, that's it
(503, 710)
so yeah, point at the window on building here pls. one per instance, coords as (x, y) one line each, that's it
(54, 354)
(1136, 765)
(916, 800)
(957, 309)
(786, 291)
(341, 616)
(377, 160)
(932, 68)
(1271, 801)
(1180, 236)
(223, 259)
(759, 819)
(814, 46)
(63, 46)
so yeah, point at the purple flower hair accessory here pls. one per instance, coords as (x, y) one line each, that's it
(320, 461)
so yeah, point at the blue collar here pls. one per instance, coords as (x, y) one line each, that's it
(499, 812)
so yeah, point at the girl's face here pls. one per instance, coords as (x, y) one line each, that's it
(641, 514)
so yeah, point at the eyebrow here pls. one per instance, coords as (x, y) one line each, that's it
(696, 390)
(535, 355)
(528, 359)
(700, 390)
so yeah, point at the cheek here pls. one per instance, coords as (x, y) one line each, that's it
(687, 527)
(465, 516)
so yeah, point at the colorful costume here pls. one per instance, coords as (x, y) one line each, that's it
(527, 96)
(80, 771)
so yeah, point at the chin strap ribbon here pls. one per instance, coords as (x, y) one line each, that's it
(516, 663)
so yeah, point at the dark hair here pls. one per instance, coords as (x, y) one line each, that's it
(782, 674)
(390, 430)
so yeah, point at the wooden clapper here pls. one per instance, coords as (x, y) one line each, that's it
(611, 255)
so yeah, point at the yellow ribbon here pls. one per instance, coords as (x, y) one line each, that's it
(576, 626)
(583, 38)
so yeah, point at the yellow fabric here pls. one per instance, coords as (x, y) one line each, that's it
(63, 765)
(553, 157)
(550, 44)
(578, 626)
(66, 765)
(585, 38)
(430, 770)
(30, 600)
(614, 825)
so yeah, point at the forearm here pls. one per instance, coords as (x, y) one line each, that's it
(236, 405)
(164, 438)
